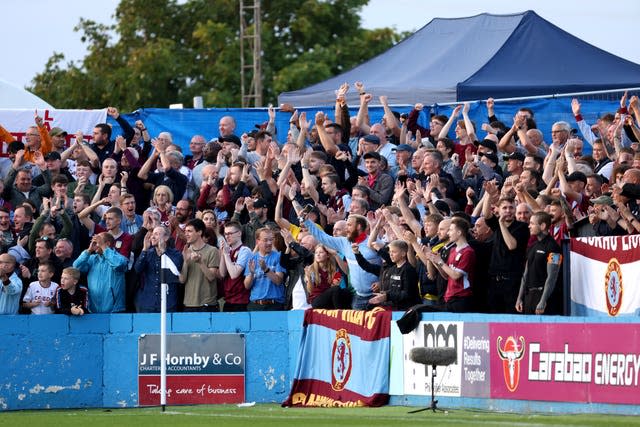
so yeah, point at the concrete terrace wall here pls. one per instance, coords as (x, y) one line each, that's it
(57, 361)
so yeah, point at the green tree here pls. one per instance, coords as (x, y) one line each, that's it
(164, 52)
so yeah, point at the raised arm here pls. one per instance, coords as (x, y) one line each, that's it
(265, 173)
(327, 142)
(85, 215)
(66, 154)
(344, 120)
(46, 145)
(392, 122)
(507, 143)
(5, 135)
(412, 121)
(293, 157)
(362, 119)
(564, 185)
(569, 157)
(338, 243)
(143, 173)
(491, 188)
(101, 183)
(127, 130)
(479, 208)
(301, 142)
(526, 141)
(471, 131)
(633, 126)
(271, 123)
(550, 164)
(445, 129)
(524, 196)
(584, 127)
(283, 223)
(491, 113)
(341, 102)
(408, 216)
(91, 155)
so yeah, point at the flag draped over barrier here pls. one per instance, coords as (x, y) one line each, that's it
(604, 276)
(343, 359)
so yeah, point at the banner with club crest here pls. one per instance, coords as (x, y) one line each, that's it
(604, 276)
(343, 359)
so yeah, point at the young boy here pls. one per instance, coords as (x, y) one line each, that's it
(398, 279)
(39, 296)
(71, 298)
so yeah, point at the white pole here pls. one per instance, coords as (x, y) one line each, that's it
(163, 336)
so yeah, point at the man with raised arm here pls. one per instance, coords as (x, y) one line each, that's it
(508, 254)
(357, 227)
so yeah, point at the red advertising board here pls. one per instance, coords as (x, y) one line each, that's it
(192, 389)
(565, 362)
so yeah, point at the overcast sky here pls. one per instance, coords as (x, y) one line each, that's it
(32, 30)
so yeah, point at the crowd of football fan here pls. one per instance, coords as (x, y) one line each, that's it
(344, 213)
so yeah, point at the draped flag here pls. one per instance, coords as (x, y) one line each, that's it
(343, 359)
(604, 276)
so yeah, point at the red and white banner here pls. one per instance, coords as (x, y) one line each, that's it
(604, 276)
(17, 121)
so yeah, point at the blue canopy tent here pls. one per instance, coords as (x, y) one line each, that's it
(500, 56)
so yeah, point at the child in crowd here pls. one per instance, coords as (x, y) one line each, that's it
(399, 281)
(71, 298)
(40, 295)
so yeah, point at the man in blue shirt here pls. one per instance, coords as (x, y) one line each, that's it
(359, 279)
(105, 269)
(11, 285)
(264, 275)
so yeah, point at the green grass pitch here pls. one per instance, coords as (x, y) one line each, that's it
(274, 415)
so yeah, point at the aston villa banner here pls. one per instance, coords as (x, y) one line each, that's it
(604, 276)
(343, 359)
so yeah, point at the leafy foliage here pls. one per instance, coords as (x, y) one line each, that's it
(166, 51)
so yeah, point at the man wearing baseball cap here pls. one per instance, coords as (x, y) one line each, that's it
(404, 153)
(58, 139)
(379, 182)
(367, 143)
(515, 162)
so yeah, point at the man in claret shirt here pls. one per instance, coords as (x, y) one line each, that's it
(113, 221)
(233, 261)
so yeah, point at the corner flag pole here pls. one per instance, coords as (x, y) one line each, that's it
(164, 288)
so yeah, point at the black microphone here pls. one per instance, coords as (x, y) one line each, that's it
(438, 356)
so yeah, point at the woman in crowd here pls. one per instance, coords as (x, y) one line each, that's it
(326, 284)
(163, 203)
